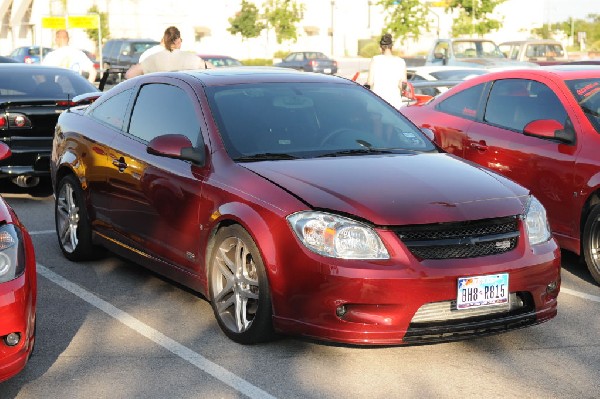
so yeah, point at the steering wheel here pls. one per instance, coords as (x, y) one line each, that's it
(353, 133)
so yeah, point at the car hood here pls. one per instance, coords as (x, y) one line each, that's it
(397, 189)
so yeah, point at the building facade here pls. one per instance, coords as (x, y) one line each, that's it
(335, 27)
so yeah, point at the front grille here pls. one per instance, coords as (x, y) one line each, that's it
(462, 239)
(441, 322)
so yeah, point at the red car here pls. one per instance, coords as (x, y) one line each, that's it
(301, 204)
(18, 290)
(539, 127)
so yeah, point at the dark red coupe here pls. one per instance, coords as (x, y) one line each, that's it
(18, 290)
(539, 127)
(301, 204)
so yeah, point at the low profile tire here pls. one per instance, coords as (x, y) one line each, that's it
(73, 226)
(591, 243)
(238, 287)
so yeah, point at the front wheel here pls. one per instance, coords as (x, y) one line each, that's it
(238, 287)
(73, 226)
(591, 242)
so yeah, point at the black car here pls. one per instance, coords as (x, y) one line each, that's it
(123, 53)
(31, 98)
(309, 61)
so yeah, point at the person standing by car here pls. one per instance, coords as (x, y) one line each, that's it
(169, 59)
(387, 73)
(69, 57)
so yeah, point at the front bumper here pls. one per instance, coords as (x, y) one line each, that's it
(381, 299)
(17, 312)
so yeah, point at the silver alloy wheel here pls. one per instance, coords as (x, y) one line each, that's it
(67, 218)
(234, 281)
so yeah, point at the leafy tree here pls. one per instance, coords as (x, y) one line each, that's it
(104, 28)
(283, 15)
(246, 21)
(405, 18)
(474, 16)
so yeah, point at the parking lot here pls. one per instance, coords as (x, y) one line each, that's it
(111, 329)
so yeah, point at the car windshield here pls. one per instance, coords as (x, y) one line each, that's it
(27, 84)
(476, 49)
(587, 94)
(305, 120)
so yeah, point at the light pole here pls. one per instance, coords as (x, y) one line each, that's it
(369, 14)
(332, 6)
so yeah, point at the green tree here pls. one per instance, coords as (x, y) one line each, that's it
(405, 18)
(104, 28)
(246, 21)
(474, 16)
(282, 16)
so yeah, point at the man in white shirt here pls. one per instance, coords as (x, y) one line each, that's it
(69, 57)
(171, 58)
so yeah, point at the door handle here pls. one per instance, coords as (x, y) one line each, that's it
(480, 146)
(120, 164)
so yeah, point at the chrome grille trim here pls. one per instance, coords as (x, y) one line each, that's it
(446, 310)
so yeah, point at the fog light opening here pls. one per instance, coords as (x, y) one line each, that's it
(12, 339)
(552, 289)
(340, 311)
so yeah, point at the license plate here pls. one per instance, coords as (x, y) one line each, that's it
(474, 292)
(327, 70)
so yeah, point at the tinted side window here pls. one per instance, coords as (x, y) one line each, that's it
(464, 103)
(164, 109)
(513, 103)
(112, 111)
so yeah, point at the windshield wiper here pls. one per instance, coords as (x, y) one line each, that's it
(265, 156)
(356, 151)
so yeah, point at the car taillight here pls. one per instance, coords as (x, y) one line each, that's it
(313, 63)
(28, 60)
(17, 121)
(3, 122)
(65, 103)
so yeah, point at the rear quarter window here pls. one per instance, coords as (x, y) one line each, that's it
(464, 103)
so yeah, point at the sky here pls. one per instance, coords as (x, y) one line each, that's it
(561, 10)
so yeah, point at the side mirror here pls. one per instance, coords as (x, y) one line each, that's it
(549, 129)
(175, 146)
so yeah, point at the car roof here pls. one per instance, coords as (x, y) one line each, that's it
(561, 72)
(252, 74)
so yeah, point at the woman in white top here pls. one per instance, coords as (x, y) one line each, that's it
(387, 73)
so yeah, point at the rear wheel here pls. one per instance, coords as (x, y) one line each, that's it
(238, 288)
(73, 227)
(591, 242)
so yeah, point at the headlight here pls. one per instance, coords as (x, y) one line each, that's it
(536, 222)
(336, 236)
(12, 258)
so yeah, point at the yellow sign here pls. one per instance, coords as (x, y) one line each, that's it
(53, 22)
(75, 21)
(83, 21)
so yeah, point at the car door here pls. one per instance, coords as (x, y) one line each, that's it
(545, 166)
(453, 117)
(155, 199)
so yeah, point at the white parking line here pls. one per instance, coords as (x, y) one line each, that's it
(218, 372)
(37, 233)
(580, 294)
